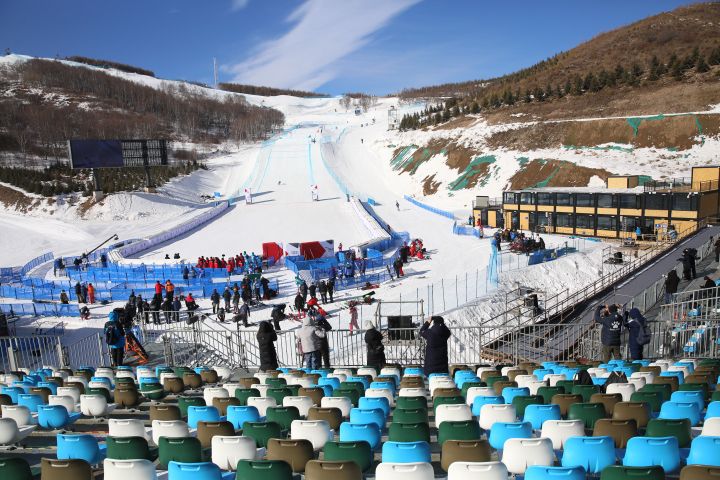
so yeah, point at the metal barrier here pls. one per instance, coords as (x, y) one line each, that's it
(90, 350)
(29, 352)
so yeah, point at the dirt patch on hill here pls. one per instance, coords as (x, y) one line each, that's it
(15, 199)
(430, 186)
(554, 173)
(462, 122)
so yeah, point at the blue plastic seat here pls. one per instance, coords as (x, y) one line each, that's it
(502, 431)
(538, 414)
(81, 447)
(608, 366)
(406, 452)
(689, 365)
(353, 432)
(414, 371)
(617, 361)
(332, 382)
(26, 386)
(696, 396)
(285, 369)
(508, 393)
(463, 373)
(202, 414)
(375, 402)
(368, 415)
(705, 451)
(650, 451)
(327, 390)
(434, 375)
(51, 385)
(363, 380)
(386, 385)
(537, 472)
(599, 381)
(104, 380)
(197, 471)
(549, 365)
(12, 392)
(678, 410)
(463, 380)
(478, 402)
(239, 414)
(680, 376)
(626, 370)
(55, 416)
(30, 400)
(713, 409)
(34, 379)
(541, 373)
(593, 454)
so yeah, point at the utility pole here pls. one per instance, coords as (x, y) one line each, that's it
(215, 73)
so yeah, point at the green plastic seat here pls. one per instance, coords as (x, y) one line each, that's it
(619, 472)
(15, 468)
(282, 415)
(454, 400)
(185, 449)
(715, 396)
(350, 393)
(263, 470)
(589, 413)
(243, 394)
(153, 391)
(468, 385)
(709, 362)
(124, 381)
(261, 432)
(548, 392)
(185, 402)
(409, 432)
(279, 393)
(294, 389)
(662, 427)
(664, 389)
(522, 401)
(567, 385)
(356, 385)
(585, 391)
(275, 382)
(654, 399)
(358, 452)
(498, 378)
(180, 371)
(99, 391)
(692, 387)
(410, 415)
(411, 403)
(128, 448)
(459, 430)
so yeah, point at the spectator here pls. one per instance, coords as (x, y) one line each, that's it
(671, 285)
(321, 322)
(717, 250)
(215, 300)
(266, 337)
(637, 338)
(611, 320)
(436, 336)
(243, 314)
(331, 287)
(115, 338)
(375, 347)
(176, 306)
(278, 315)
(309, 339)
(322, 289)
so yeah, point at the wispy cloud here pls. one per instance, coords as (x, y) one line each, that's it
(238, 5)
(322, 33)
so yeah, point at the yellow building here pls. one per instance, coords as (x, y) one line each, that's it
(619, 209)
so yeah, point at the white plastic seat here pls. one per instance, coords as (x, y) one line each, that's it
(521, 453)
(105, 372)
(391, 371)
(482, 370)
(125, 374)
(10, 378)
(70, 392)
(262, 404)
(505, 370)
(524, 380)
(381, 393)
(228, 450)
(214, 392)
(79, 379)
(558, 431)
(404, 471)
(553, 378)
(344, 404)
(367, 371)
(305, 382)
(98, 384)
(596, 372)
(11, 433)
(166, 375)
(649, 376)
(288, 377)
(262, 376)
(20, 413)
(95, 406)
(412, 392)
(452, 413)
(64, 400)
(535, 385)
(345, 371)
(711, 427)
(491, 413)
(663, 364)
(262, 388)
(473, 392)
(302, 403)
(131, 427)
(223, 372)
(231, 387)
(339, 376)
(125, 469)
(318, 432)
(477, 470)
(624, 389)
(169, 428)
(440, 382)
(639, 382)
(679, 368)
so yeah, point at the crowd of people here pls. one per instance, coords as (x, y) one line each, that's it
(613, 319)
(519, 242)
(243, 262)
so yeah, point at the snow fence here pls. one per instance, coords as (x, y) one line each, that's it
(437, 211)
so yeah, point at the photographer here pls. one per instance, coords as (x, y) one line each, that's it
(611, 319)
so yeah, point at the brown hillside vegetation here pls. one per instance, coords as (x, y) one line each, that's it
(554, 173)
(267, 91)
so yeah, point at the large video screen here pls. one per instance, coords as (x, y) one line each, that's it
(96, 154)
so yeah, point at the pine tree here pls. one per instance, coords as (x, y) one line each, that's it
(654, 69)
(714, 58)
(475, 108)
(528, 97)
(548, 91)
(455, 112)
(568, 87)
(677, 71)
(485, 103)
(577, 88)
(437, 118)
(559, 92)
(701, 66)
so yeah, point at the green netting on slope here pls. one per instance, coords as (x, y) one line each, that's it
(403, 157)
(545, 182)
(635, 122)
(606, 148)
(472, 170)
(523, 161)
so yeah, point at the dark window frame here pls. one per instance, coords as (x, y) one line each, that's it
(561, 197)
(601, 218)
(582, 221)
(560, 216)
(545, 198)
(602, 196)
(524, 196)
(584, 200)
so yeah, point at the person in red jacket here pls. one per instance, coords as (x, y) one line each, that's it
(158, 288)
(91, 293)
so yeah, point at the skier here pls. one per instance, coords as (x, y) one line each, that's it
(299, 302)
(313, 290)
(397, 205)
(278, 315)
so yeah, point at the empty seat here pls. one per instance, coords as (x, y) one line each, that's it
(538, 414)
(207, 430)
(697, 396)
(333, 416)
(264, 470)
(318, 432)
(284, 416)
(565, 401)
(369, 415)
(680, 429)
(169, 428)
(303, 404)
(55, 416)
(711, 427)
(491, 413)
(381, 392)
(624, 389)
(619, 430)
(705, 451)
(593, 454)
(375, 402)
(587, 412)
(521, 453)
(332, 470)
(95, 406)
(222, 404)
(404, 471)
(342, 403)
(184, 450)
(164, 412)
(15, 468)
(80, 446)
(648, 451)
(464, 451)
(127, 428)
(700, 472)
(262, 432)
(409, 432)
(558, 431)
(296, 452)
(501, 432)
(227, 451)
(677, 410)
(127, 448)
(453, 413)
(538, 472)
(475, 470)
(70, 392)
(76, 469)
(355, 432)
(11, 433)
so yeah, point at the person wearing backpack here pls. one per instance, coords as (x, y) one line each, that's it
(612, 322)
(638, 336)
(115, 338)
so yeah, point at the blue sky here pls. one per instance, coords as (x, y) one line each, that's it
(332, 46)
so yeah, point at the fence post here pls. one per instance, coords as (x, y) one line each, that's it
(62, 358)
(101, 352)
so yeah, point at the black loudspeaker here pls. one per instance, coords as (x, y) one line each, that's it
(400, 322)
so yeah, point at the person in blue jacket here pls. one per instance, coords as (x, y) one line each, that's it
(635, 324)
(115, 338)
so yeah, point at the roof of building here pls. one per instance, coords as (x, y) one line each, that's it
(638, 189)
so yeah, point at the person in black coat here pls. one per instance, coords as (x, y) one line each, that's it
(612, 320)
(671, 284)
(634, 323)
(266, 337)
(324, 345)
(375, 347)
(436, 336)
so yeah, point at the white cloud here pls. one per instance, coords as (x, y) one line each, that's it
(239, 5)
(322, 33)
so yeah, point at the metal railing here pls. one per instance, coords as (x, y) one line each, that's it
(29, 352)
(90, 350)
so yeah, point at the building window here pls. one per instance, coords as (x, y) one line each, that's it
(606, 200)
(657, 201)
(684, 202)
(629, 201)
(585, 221)
(564, 199)
(564, 220)
(545, 199)
(542, 219)
(526, 198)
(605, 222)
(584, 200)
(509, 197)
(629, 224)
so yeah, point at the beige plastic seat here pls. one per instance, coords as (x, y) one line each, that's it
(140, 469)
(492, 413)
(404, 471)
(477, 471)
(228, 450)
(521, 453)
